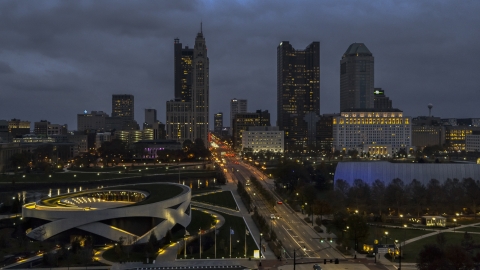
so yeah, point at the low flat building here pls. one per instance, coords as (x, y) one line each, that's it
(149, 148)
(258, 139)
(472, 143)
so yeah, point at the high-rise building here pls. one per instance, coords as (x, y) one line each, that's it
(183, 58)
(218, 122)
(244, 120)
(298, 90)
(356, 78)
(123, 106)
(150, 116)
(17, 127)
(187, 115)
(256, 139)
(380, 101)
(41, 128)
(237, 106)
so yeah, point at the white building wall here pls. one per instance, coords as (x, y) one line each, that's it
(472, 143)
(376, 132)
(264, 140)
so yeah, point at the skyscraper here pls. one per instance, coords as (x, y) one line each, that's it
(236, 106)
(187, 115)
(150, 116)
(298, 89)
(123, 106)
(218, 122)
(356, 78)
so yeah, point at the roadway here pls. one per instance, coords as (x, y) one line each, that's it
(294, 233)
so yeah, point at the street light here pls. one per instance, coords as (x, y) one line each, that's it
(260, 263)
(455, 220)
(386, 235)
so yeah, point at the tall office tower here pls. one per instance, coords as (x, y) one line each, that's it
(150, 117)
(200, 89)
(183, 71)
(236, 106)
(123, 106)
(298, 90)
(380, 101)
(356, 78)
(187, 115)
(218, 122)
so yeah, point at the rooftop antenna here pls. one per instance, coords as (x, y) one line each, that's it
(201, 27)
(430, 106)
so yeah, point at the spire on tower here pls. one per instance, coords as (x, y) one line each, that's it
(201, 27)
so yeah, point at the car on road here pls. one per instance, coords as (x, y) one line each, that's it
(279, 202)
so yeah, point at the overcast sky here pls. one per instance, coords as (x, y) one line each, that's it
(59, 58)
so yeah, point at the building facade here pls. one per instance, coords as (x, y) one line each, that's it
(123, 106)
(298, 90)
(244, 120)
(218, 122)
(375, 132)
(258, 139)
(237, 106)
(95, 120)
(188, 114)
(472, 142)
(380, 101)
(356, 78)
(17, 127)
(150, 116)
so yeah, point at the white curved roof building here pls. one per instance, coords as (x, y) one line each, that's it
(387, 171)
(129, 211)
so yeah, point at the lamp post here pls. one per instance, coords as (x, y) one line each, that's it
(260, 263)
(455, 220)
(386, 235)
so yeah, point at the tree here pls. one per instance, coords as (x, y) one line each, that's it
(471, 190)
(358, 230)
(395, 194)
(359, 194)
(431, 257)
(458, 257)
(416, 197)
(378, 195)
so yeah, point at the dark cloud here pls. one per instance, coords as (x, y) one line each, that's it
(61, 57)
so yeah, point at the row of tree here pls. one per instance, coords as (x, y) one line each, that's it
(414, 198)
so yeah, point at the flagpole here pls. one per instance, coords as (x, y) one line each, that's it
(230, 242)
(215, 233)
(245, 242)
(200, 243)
(185, 244)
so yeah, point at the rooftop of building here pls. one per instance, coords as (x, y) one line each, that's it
(371, 110)
(358, 49)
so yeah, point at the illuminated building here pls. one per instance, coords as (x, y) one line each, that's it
(298, 90)
(237, 106)
(380, 101)
(123, 106)
(378, 132)
(244, 120)
(187, 115)
(258, 139)
(356, 78)
(218, 122)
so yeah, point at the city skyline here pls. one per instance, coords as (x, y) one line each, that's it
(54, 67)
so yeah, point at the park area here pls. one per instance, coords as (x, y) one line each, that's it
(222, 199)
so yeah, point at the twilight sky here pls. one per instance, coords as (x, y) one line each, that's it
(58, 58)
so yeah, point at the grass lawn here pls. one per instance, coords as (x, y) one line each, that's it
(378, 233)
(134, 256)
(411, 250)
(224, 199)
(237, 224)
(470, 229)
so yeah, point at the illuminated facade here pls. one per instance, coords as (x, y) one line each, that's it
(187, 115)
(243, 121)
(258, 139)
(374, 132)
(237, 106)
(298, 89)
(356, 78)
(218, 122)
(455, 136)
(123, 106)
